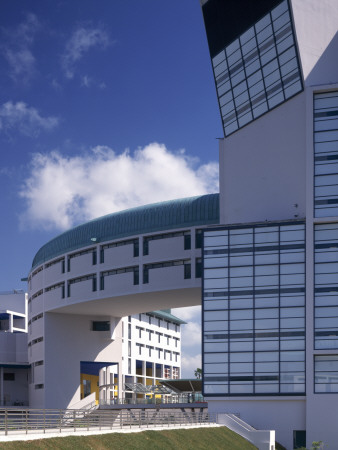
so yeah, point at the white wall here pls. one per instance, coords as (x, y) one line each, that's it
(68, 340)
(321, 419)
(13, 347)
(262, 167)
(280, 414)
(13, 302)
(316, 30)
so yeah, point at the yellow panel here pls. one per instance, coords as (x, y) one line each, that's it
(94, 381)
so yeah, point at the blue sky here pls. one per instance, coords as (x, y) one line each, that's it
(103, 106)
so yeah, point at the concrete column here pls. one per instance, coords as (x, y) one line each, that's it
(1, 386)
(11, 323)
(119, 381)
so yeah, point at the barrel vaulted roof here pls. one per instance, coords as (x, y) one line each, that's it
(181, 213)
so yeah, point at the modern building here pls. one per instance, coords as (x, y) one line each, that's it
(269, 258)
(14, 367)
(151, 351)
(270, 283)
(150, 347)
(84, 282)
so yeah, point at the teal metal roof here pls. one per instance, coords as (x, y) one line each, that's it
(165, 314)
(185, 212)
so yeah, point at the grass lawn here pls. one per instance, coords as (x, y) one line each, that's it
(197, 438)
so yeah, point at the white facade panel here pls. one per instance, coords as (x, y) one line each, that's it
(53, 273)
(121, 256)
(257, 180)
(316, 30)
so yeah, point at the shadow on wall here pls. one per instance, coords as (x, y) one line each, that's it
(326, 69)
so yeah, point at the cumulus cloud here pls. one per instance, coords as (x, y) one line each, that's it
(191, 334)
(62, 191)
(189, 313)
(189, 364)
(27, 120)
(191, 338)
(16, 48)
(82, 40)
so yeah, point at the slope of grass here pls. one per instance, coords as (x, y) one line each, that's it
(197, 438)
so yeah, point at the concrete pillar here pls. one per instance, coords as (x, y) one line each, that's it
(119, 381)
(1, 386)
(11, 323)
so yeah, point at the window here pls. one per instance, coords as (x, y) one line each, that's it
(81, 253)
(326, 154)
(133, 242)
(187, 271)
(299, 439)
(198, 238)
(38, 363)
(133, 269)
(257, 71)
(57, 286)
(254, 310)
(80, 280)
(9, 376)
(101, 325)
(326, 286)
(198, 267)
(39, 386)
(156, 237)
(175, 373)
(326, 374)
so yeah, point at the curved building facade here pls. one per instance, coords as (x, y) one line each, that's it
(131, 262)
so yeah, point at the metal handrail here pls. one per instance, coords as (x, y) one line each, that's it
(27, 420)
(174, 399)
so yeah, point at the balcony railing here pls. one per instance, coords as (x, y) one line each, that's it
(27, 421)
(168, 399)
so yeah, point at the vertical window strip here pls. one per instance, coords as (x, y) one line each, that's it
(326, 154)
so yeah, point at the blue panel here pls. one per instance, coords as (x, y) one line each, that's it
(93, 368)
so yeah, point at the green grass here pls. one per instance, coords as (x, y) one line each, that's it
(197, 438)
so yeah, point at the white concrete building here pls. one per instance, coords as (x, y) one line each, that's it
(86, 280)
(270, 286)
(270, 260)
(14, 367)
(151, 349)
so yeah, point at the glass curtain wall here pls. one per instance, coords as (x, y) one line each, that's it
(257, 71)
(326, 286)
(326, 153)
(254, 310)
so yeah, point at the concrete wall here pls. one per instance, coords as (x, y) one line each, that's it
(13, 347)
(68, 340)
(316, 31)
(13, 302)
(262, 167)
(276, 413)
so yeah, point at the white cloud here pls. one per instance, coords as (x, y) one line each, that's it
(62, 191)
(189, 313)
(191, 334)
(189, 364)
(88, 82)
(82, 40)
(27, 120)
(16, 48)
